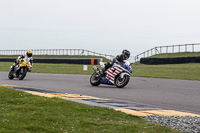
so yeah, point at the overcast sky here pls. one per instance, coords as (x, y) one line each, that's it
(105, 26)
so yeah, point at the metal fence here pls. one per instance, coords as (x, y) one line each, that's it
(169, 49)
(56, 52)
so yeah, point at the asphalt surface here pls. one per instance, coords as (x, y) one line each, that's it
(182, 95)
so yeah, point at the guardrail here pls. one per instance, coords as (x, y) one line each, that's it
(169, 49)
(56, 52)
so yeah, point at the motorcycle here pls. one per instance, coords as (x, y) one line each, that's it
(117, 75)
(20, 70)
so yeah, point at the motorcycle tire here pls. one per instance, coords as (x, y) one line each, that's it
(121, 82)
(22, 73)
(94, 80)
(10, 75)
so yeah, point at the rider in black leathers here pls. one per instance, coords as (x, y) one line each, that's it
(118, 59)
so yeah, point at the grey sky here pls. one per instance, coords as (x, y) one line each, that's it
(106, 26)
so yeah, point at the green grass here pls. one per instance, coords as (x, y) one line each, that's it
(23, 112)
(52, 68)
(172, 71)
(172, 55)
(189, 71)
(61, 68)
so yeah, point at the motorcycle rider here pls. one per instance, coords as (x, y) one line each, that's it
(27, 57)
(118, 59)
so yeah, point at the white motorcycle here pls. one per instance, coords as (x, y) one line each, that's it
(117, 75)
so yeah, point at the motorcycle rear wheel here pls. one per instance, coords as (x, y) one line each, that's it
(121, 82)
(94, 80)
(22, 73)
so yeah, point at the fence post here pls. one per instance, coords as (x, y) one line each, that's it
(161, 50)
(185, 47)
(151, 52)
(155, 51)
(167, 49)
(192, 47)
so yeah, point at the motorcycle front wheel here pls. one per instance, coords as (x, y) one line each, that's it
(10, 75)
(22, 73)
(95, 79)
(121, 82)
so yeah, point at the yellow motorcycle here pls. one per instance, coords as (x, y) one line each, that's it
(20, 70)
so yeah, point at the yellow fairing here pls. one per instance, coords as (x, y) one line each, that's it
(24, 64)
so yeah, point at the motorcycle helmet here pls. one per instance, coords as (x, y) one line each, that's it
(29, 53)
(126, 54)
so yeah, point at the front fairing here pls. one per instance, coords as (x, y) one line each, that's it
(127, 66)
(105, 81)
(24, 63)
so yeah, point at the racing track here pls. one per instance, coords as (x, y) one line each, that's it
(163, 93)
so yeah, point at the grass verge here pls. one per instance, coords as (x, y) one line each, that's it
(189, 71)
(52, 68)
(23, 112)
(172, 71)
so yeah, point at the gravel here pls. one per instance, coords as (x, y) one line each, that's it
(185, 124)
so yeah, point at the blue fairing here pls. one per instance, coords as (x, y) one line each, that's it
(127, 67)
(105, 81)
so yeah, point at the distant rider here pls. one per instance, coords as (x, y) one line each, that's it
(118, 59)
(27, 57)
